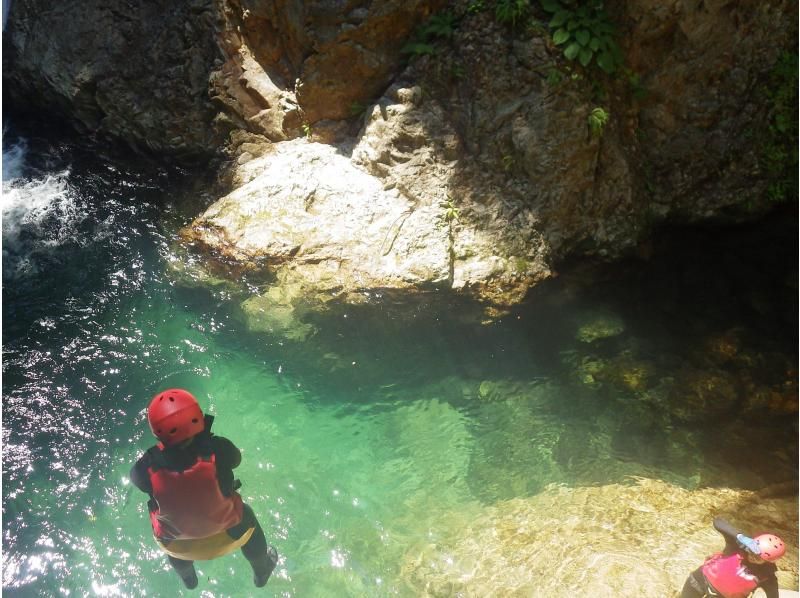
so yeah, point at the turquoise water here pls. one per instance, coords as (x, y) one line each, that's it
(377, 436)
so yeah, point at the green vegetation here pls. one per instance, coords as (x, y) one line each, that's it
(439, 26)
(585, 31)
(554, 77)
(450, 211)
(511, 11)
(307, 130)
(357, 108)
(457, 71)
(778, 155)
(475, 6)
(597, 120)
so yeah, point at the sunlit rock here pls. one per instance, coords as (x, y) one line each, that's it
(318, 229)
(643, 537)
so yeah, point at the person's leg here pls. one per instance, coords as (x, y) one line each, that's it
(262, 557)
(186, 570)
(695, 586)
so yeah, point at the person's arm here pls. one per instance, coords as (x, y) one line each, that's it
(729, 533)
(139, 476)
(735, 540)
(770, 587)
(228, 455)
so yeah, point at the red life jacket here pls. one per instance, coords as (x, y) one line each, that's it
(189, 504)
(729, 575)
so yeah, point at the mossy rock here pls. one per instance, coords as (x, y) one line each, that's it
(599, 325)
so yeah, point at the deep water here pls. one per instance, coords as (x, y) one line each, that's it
(372, 437)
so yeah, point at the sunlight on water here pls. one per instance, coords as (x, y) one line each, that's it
(383, 457)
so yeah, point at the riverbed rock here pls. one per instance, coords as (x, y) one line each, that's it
(598, 324)
(606, 541)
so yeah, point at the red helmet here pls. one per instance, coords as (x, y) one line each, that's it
(174, 416)
(772, 547)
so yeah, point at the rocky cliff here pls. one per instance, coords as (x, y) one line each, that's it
(387, 146)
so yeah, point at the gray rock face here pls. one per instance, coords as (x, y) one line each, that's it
(704, 67)
(137, 71)
(176, 77)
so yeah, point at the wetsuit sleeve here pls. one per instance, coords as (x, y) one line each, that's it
(729, 533)
(228, 456)
(139, 476)
(770, 587)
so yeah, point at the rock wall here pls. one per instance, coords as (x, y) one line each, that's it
(177, 77)
(485, 130)
(135, 71)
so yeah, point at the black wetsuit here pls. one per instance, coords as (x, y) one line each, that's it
(697, 585)
(227, 458)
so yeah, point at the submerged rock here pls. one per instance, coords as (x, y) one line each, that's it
(606, 541)
(599, 325)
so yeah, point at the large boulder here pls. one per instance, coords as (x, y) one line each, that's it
(324, 229)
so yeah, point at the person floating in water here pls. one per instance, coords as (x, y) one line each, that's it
(744, 565)
(195, 511)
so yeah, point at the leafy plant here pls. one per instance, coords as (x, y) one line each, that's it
(357, 109)
(554, 77)
(510, 11)
(307, 130)
(508, 162)
(585, 31)
(634, 80)
(597, 120)
(450, 211)
(439, 26)
(442, 25)
(536, 27)
(778, 155)
(475, 6)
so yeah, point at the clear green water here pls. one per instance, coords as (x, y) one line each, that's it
(370, 440)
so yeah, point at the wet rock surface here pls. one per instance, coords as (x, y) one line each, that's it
(644, 536)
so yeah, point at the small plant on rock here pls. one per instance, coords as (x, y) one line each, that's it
(778, 152)
(440, 26)
(597, 120)
(511, 11)
(357, 109)
(450, 211)
(475, 6)
(585, 31)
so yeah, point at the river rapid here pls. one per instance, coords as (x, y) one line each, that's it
(593, 433)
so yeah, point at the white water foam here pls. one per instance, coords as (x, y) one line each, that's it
(39, 214)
